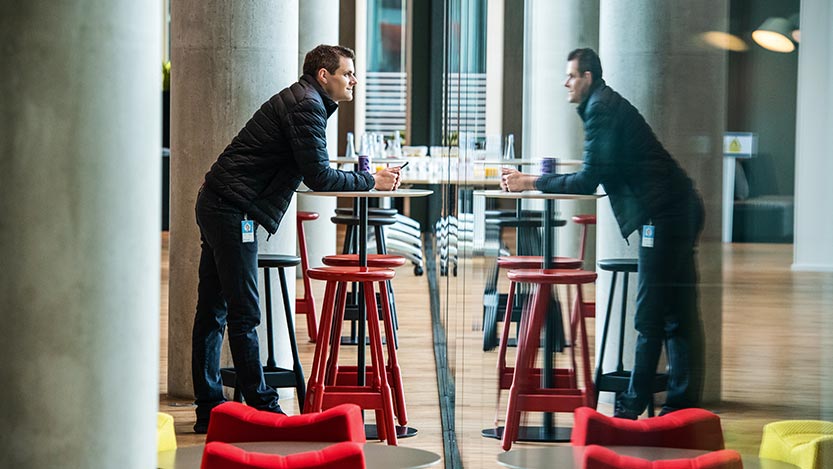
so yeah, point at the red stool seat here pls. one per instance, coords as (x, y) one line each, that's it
(585, 219)
(344, 455)
(331, 385)
(351, 274)
(526, 393)
(599, 457)
(233, 422)
(388, 261)
(686, 428)
(307, 216)
(535, 262)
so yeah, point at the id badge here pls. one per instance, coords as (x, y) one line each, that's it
(247, 228)
(647, 236)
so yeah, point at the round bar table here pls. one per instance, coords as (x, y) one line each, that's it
(376, 456)
(525, 162)
(547, 432)
(361, 198)
(345, 160)
(569, 457)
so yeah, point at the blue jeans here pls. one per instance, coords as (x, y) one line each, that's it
(227, 294)
(667, 312)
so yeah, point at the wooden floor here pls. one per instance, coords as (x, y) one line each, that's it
(777, 328)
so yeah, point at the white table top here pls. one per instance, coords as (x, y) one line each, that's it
(525, 162)
(344, 160)
(572, 457)
(377, 456)
(500, 194)
(371, 193)
(459, 182)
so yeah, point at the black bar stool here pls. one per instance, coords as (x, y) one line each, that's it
(619, 380)
(273, 375)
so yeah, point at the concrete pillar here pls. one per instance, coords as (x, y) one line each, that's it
(230, 57)
(650, 54)
(553, 127)
(80, 242)
(813, 194)
(318, 24)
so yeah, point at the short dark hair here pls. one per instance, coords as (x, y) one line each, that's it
(588, 61)
(326, 57)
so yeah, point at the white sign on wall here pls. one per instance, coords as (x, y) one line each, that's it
(740, 144)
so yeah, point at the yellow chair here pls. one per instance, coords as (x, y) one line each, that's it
(807, 444)
(165, 435)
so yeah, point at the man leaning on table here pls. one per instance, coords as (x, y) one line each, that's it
(649, 192)
(252, 183)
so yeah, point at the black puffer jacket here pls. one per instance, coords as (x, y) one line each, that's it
(283, 144)
(622, 153)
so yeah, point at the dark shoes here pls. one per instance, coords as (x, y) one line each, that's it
(201, 428)
(275, 410)
(667, 410)
(624, 414)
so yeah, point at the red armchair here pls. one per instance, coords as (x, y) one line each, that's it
(686, 428)
(599, 457)
(345, 455)
(232, 422)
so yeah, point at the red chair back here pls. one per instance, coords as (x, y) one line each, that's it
(233, 422)
(346, 455)
(599, 457)
(686, 428)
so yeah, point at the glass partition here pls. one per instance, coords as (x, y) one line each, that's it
(694, 75)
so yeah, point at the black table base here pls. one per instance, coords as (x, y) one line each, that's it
(533, 434)
(372, 433)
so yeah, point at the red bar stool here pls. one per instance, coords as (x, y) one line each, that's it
(585, 221)
(325, 391)
(491, 318)
(347, 374)
(306, 304)
(526, 393)
(510, 263)
(389, 261)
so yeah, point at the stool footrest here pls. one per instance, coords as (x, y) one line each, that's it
(348, 375)
(362, 396)
(274, 377)
(551, 400)
(562, 378)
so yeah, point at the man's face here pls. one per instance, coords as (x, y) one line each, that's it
(339, 85)
(577, 83)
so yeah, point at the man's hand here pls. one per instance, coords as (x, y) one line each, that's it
(512, 180)
(387, 179)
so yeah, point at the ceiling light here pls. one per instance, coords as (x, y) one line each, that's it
(725, 41)
(774, 34)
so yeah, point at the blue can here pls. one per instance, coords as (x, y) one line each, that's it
(364, 163)
(548, 165)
